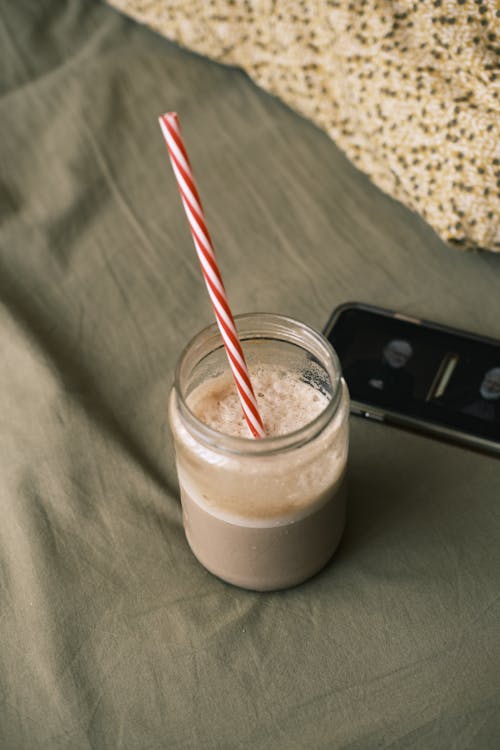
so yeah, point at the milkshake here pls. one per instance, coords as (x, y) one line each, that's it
(268, 513)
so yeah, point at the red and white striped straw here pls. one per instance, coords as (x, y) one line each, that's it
(169, 123)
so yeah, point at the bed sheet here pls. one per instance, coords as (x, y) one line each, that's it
(112, 635)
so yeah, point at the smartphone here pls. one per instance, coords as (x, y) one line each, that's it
(420, 375)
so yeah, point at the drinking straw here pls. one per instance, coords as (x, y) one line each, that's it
(169, 123)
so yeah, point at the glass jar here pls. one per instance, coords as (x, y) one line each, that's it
(264, 513)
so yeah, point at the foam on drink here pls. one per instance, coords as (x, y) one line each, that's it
(285, 402)
(256, 489)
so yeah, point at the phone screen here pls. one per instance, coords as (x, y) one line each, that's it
(417, 370)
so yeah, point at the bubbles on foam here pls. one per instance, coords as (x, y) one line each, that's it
(285, 402)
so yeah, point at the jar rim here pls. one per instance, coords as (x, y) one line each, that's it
(267, 326)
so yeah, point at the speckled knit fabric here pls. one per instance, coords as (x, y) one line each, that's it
(407, 89)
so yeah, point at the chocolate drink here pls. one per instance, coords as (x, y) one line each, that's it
(264, 519)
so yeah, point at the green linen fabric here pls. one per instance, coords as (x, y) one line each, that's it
(111, 634)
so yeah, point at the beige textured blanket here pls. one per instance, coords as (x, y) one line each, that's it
(407, 89)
